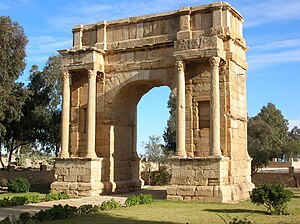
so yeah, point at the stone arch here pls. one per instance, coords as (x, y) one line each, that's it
(198, 50)
(122, 114)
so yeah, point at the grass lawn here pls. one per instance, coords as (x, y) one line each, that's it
(162, 211)
(10, 195)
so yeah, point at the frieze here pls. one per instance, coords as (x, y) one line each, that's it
(198, 43)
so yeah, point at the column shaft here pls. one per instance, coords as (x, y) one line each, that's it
(65, 127)
(91, 115)
(180, 109)
(215, 149)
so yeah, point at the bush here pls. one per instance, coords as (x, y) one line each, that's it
(5, 202)
(157, 178)
(19, 200)
(18, 185)
(108, 205)
(138, 199)
(56, 196)
(273, 196)
(56, 212)
(240, 221)
(87, 209)
(25, 218)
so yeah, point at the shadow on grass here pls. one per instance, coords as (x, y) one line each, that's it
(236, 210)
(107, 219)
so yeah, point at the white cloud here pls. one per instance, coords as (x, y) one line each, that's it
(265, 59)
(278, 44)
(293, 123)
(41, 47)
(269, 11)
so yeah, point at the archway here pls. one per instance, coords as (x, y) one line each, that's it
(198, 50)
(123, 117)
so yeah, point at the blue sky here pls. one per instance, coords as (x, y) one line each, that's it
(271, 29)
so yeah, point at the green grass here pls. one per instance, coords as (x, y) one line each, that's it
(161, 211)
(10, 195)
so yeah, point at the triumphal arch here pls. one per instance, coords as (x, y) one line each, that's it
(199, 53)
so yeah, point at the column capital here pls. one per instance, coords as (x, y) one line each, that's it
(66, 75)
(214, 62)
(180, 66)
(91, 73)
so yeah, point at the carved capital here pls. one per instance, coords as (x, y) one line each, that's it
(214, 62)
(66, 76)
(100, 76)
(91, 73)
(179, 66)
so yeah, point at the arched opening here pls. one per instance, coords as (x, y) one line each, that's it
(152, 115)
(124, 165)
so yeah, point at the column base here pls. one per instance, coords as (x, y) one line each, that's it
(205, 179)
(78, 176)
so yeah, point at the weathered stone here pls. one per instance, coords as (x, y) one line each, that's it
(198, 51)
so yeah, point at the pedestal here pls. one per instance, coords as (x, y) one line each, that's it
(206, 180)
(78, 176)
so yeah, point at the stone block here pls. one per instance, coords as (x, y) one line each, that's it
(205, 191)
(172, 189)
(174, 198)
(198, 199)
(70, 178)
(183, 190)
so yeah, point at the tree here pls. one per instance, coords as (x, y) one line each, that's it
(40, 123)
(12, 115)
(12, 63)
(154, 150)
(170, 131)
(267, 135)
(259, 138)
(52, 81)
(292, 146)
(279, 127)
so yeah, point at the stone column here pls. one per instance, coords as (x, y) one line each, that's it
(91, 114)
(65, 126)
(180, 109)
(215, 149)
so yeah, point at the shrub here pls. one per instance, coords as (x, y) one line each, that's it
(273, 196)
(108, 205)
(6, 220)
(18, 185)
(138, 199)
(240, 221)
(146, 198)
(25, 218)
(5, 202)
(34, 199)
(87, 209)
(56, 196)
(19, 200)
(157, 178)
(56, 212)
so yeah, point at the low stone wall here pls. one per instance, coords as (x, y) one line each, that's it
(287, 179)
(273, 164)
(40, 181)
